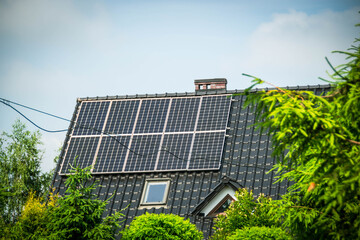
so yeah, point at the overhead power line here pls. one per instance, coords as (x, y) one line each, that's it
(7, 103)
(46, 130)
(34, 109)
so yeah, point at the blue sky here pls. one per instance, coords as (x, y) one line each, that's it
(52, 52)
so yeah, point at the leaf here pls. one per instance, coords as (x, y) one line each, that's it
(272, 104)
(303, 132)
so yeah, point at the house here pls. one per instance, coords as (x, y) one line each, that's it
(181, 153)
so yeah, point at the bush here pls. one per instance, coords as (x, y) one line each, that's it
(76, 215)
(34, 217)
(255, 233)
(161, 226)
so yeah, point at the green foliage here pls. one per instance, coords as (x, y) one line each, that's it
(161, 227)
(78, 214)
(6, 230)
(264, 233)
(321, 138)
(245, 212)
(34, 217)
(20, 172)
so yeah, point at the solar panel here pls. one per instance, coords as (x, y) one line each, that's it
(152, 134)
(144, 153)
(182, 115)
(91, 118)
(80, 152)
(152, 116)
(122, 117)
(174, 152)
(111, 154)
(207, 150)
(213, 113)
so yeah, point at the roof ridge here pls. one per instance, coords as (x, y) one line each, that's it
(199, 93)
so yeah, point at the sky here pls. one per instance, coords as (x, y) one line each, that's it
(53, 52)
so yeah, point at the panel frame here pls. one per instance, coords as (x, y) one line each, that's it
(67, 149)
(123, 100)
(78, 115)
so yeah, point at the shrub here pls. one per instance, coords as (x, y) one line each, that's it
(34, 217)
(265, 233)
(161, 226)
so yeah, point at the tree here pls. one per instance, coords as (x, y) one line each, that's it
(78, 214)
(316, 140)
(161, 227)
(20, 172)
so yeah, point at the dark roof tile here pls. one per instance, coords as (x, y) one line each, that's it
(246, 159)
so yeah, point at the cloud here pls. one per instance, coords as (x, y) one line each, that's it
(55, 51)
(59, 24)
(290, 49)
(22, 81)
(51, 49)
(48, 49)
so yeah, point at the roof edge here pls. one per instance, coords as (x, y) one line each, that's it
(199, 93)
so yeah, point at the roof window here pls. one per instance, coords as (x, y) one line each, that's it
(155, 192)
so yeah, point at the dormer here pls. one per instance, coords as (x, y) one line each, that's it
(218, 200)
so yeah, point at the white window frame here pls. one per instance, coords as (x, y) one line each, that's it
(213, 203)
(213, 213)
(145, 192)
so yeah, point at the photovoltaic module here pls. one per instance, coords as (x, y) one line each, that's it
(148, 134)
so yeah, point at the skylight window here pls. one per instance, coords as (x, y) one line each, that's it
(155, 192)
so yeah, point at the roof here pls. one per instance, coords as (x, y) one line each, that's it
(246, 159)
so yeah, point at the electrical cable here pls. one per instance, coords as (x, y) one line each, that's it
(4, 101)
(36, 110)
(50, 131)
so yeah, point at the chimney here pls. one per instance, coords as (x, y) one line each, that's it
(210, 84)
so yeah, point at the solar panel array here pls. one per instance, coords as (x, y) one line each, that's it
(150, 134)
